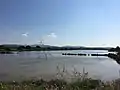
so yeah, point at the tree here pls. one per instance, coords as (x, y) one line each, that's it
(7, 49)
(117, 48)
(2, 47)
(49, 48)
(38, 47)
(21, 48)
(65, 48)
(28, 47)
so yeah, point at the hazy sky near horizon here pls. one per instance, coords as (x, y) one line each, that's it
(60, 22)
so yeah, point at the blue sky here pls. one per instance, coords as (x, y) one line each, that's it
(60, 22)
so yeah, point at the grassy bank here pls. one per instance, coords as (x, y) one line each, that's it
(86, 84)
(80, 81)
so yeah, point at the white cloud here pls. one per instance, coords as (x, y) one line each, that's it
(52, 35)
(25, 34)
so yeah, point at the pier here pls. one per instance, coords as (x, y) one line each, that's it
(115, 57)
(81, 54)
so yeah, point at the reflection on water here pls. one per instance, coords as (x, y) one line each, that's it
(34, 64)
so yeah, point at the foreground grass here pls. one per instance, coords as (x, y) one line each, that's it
(86, 84)
(81, 81)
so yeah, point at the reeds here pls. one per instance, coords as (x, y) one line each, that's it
(81, 81)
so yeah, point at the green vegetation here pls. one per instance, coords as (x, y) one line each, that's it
(80, 81)
(41, 48)
(5, 50)
(117, 49)
(86, 84)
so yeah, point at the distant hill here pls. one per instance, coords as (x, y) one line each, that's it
(62, 47)
(73, 46)
(83, 47)
(42, 45)
(11, 45)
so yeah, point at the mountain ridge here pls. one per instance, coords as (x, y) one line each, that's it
(34, 45)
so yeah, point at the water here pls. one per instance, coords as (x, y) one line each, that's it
(35, 64)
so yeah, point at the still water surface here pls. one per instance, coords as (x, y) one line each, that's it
(35, 64)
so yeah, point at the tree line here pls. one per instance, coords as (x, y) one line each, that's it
(117, 49)
(19, 48)
(39, 48)
(30, 48)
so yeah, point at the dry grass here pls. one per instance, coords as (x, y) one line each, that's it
(86, 84)
(80, 82)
